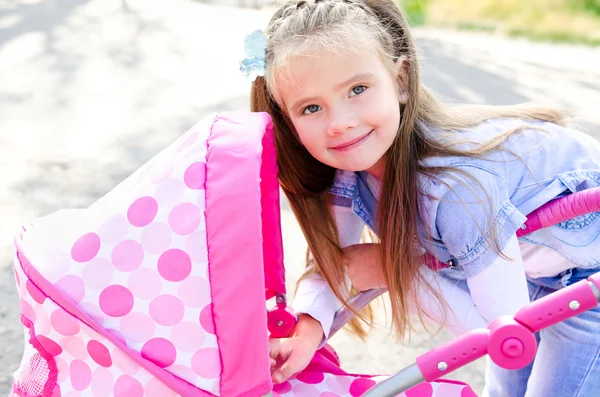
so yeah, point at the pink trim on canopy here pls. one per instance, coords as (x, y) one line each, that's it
(235, 251)
(271, 217)
(21, 386)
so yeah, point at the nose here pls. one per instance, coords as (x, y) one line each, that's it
(341, 119)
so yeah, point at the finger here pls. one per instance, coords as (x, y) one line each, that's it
(274, 348)
(291, 366)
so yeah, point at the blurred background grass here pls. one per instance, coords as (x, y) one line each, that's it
(571, 21)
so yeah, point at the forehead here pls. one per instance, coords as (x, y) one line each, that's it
(317, 71)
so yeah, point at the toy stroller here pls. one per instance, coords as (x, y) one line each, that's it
(159, 288)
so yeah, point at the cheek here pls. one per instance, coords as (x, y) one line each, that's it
(308, 134)
(395, 116)
(389, 121)
(392, 111)
(303, 137)
(385, 113)
(314, 144)
(382, 107)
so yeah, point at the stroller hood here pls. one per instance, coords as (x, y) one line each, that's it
(163, 279)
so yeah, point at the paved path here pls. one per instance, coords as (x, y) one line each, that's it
(90, 90)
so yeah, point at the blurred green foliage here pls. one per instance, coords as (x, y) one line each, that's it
(592, 6)
(574, 21)
(415, 10)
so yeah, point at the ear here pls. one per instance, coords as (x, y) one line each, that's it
(401, 70)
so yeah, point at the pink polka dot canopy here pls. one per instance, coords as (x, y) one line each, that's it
(159, 287)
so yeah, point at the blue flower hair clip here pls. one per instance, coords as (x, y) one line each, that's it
(255, 47)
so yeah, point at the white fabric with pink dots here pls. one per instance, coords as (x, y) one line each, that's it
(87, 363)
(139, 266)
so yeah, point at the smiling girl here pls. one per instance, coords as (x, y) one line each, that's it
(361, 142)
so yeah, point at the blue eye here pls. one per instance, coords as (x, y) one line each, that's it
(310, 109)
(359, 89)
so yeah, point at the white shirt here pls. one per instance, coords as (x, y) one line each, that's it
(488, 299)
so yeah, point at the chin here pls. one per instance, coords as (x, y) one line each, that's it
(357, 166)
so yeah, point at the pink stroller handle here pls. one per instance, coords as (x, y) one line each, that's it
(551, 213)
(509, 341)
(562, 209)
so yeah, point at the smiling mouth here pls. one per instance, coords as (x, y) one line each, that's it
(351, 144)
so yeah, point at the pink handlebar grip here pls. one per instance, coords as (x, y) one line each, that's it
(595, 280)
(558, 306)
(562, 209)
(510, 342)
(453, 355)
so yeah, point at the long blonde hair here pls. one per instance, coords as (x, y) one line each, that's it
(300, 26)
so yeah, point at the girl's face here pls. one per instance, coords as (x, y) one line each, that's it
(344, 106)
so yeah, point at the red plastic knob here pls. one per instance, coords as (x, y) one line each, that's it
(281, 321)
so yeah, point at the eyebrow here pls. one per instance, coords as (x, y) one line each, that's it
(360, 76)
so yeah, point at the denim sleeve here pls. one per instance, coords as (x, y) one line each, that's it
(462, 215)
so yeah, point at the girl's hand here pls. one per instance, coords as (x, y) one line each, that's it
(364, 270)
(291, 355)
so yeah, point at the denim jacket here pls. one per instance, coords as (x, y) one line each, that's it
(536, 165)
